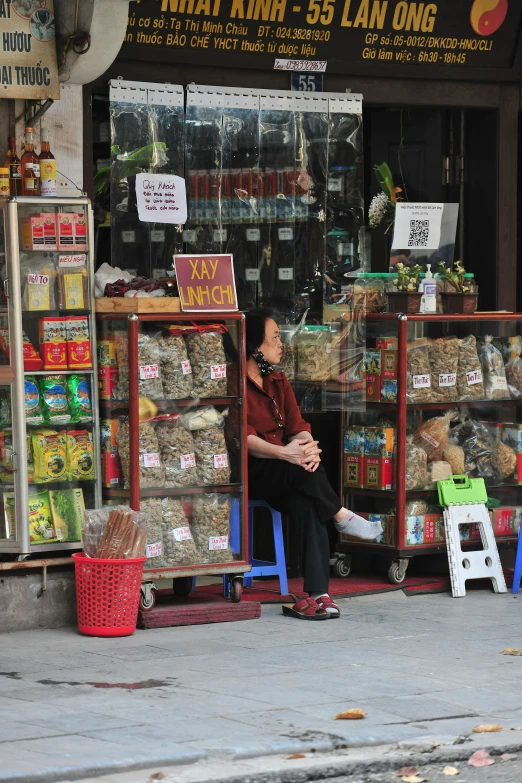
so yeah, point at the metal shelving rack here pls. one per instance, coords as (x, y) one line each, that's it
(400, 554)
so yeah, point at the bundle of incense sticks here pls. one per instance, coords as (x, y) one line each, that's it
(122, 538)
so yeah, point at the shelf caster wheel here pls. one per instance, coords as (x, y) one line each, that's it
(182, 586)
(342, 566)
(397, 571)
(147, 598)
(236, 589)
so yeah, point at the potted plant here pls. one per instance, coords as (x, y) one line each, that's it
(462, 299)
(407, 297)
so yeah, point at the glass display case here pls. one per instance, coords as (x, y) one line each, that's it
(173, 440)
(443, 397)
(49, 439)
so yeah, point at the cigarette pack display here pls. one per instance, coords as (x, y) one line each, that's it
(52, 340)
(389, 364)
(378, 472)
(379, 441)
(373, 388)
(388, 390)
(354, 439)
(354, 470)
(39, 232)
(78, 343)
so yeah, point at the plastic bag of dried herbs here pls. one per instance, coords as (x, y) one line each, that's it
(444, 360)
(179, 547)
(211, 527)
(152, 471)
(149, 369)
(176, 370)
(470, 385)
(494, 373)
(480, 450)
(177, 451)
(418, 375)
(208, 361)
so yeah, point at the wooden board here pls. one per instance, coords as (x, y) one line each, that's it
(145, 304)
(193, 611)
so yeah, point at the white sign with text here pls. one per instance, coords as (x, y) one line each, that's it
(161, 198)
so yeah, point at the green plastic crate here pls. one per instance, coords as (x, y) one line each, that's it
(461, 489)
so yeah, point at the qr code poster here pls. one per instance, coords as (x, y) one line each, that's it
(424, 234)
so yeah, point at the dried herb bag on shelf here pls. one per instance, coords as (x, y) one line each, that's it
(494, 373)
(211, 527)
(470, 384)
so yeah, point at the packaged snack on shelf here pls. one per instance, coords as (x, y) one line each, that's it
(379, 441)
(39, 232)
(37, 274)
(176, 370)
(414, 530)
(470, 385)
(353, 470)
(108, 430)
(388, 390)
(31, 359)
(65, 228)
(177, 450)
(49, 451)
(354, 439)
(106, 351)
(112, 474)
(80, 455)
(211, 527)
(418, 376)
(79, 355)
(68, 513)
(108, 383)
(207, 360)
(152, 472)
(33, 401)
(55, 408)
(149, 371)
(80, 230)
(79, 398)
(41, 529)
(494, 374)
(52, 338)
(314, 348)
(433, 435)
(416, 467)
(73, 282)
(444, 360)
(479, 449)
(378, 472)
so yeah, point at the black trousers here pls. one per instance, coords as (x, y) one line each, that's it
(309, 500)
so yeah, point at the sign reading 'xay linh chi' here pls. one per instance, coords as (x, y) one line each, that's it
(28, 67)
(206, 283)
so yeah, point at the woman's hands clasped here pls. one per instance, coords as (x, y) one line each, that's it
(303, 452)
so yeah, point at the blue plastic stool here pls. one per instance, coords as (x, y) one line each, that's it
(263, 567)
(518, 565)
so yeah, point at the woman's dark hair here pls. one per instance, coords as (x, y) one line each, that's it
(255, 321)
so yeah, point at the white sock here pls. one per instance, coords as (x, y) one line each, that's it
(354, 525)
(329, 609)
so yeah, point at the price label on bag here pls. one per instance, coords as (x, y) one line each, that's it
(38, 279)
(498, 383)
(217, 542)
(154, 550)
(186, 367)
(448, 379)
(421, 382)
(148, 371)
(218, 371)
(221, 460)
(187, 461)
(182, 534)
(151, 460)
(429, 439)
(473, 377)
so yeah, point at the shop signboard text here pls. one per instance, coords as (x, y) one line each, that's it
(28, 67)
(206, 284)
(398, 34)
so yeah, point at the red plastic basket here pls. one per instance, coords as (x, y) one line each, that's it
(107, 595)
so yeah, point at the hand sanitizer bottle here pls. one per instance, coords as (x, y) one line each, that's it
(428, 287)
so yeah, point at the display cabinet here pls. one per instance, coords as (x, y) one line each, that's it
(443, 396)
(49, 438)
(173, 440)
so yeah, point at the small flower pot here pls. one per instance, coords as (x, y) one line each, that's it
(455, 302)
(404, 301)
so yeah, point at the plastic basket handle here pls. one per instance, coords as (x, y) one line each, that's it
(461, 481)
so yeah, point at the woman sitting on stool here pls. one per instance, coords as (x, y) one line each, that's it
(284, 466)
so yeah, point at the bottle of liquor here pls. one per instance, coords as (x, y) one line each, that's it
(30, 167)
(47, 167)
(12, 162)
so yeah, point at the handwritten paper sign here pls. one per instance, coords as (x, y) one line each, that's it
(162, 198)
(206, 283)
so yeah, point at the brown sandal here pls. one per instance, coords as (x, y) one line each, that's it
(306, 609)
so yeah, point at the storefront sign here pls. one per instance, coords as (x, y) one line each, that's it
(206, 284)
(161, 198)
(28, 67)
(314, 35)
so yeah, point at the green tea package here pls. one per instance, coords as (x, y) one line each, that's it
(79, 399)
(68, 513)
(41, 529)
(33, 401)
(80, 455)
(55, 406)
(49, 449)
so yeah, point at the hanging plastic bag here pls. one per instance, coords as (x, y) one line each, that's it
(495, 383)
